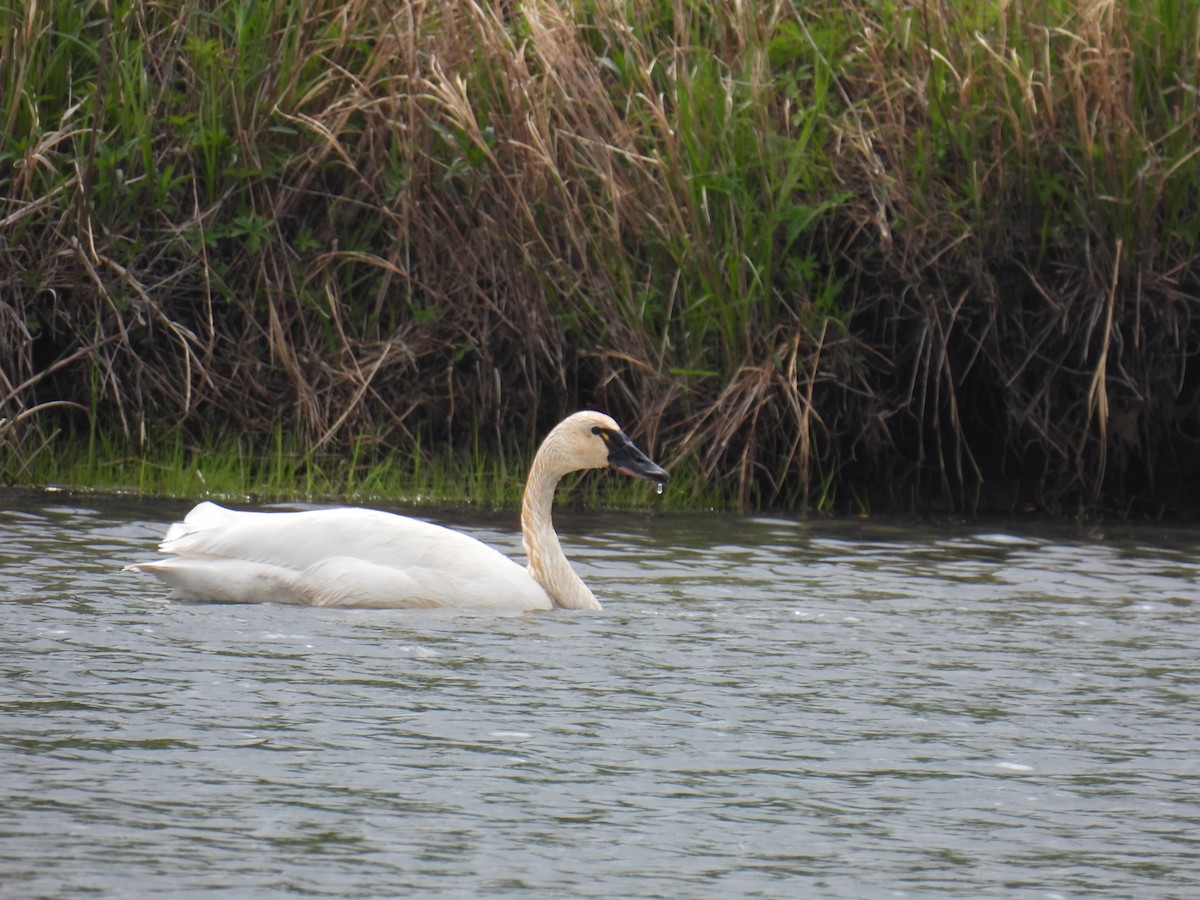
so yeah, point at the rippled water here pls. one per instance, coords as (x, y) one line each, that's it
(765, 707)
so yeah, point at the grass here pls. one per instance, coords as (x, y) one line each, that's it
(283, 470)
(803, 252)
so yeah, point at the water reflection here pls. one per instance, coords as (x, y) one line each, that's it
(764, 707)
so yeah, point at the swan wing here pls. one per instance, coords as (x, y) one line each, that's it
(297, 539)
(337, 557)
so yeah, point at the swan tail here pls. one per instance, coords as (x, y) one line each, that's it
(223, 580)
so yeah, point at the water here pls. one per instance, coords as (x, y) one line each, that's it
(764, 708)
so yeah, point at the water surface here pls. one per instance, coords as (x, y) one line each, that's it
(765, 707)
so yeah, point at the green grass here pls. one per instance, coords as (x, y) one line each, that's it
(837, 249)
(229, 470)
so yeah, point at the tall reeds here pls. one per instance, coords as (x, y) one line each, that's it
(808, 251)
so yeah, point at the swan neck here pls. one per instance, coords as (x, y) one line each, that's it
(547, 563)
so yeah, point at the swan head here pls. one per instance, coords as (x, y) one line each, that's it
(592, 440)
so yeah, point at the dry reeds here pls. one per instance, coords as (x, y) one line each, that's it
(831, 250)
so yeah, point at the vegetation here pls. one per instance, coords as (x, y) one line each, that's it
(285, 470)
(841, 253)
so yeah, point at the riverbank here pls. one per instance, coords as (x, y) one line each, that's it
(230, 471)
(850, 254)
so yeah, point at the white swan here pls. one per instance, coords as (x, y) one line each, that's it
(365, 557)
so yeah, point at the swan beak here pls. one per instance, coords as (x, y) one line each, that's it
(624, 456)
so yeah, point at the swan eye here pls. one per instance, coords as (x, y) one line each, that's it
(604, 435)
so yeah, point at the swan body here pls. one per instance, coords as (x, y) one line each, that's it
(369, 558)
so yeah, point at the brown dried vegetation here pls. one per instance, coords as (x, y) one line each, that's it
(881, 253)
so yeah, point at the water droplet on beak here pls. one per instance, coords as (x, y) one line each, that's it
(658, 487)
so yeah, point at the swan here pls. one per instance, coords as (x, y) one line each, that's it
(369, 558)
